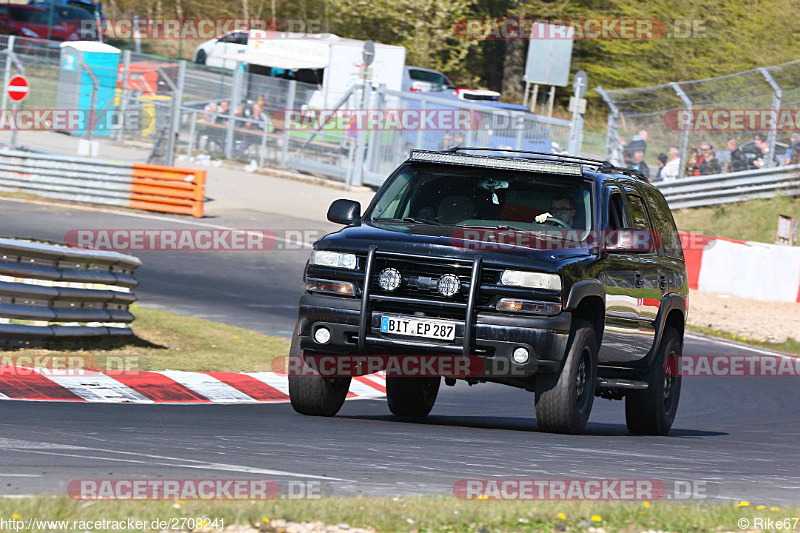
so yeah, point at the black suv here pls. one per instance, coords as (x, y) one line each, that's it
(534, 264)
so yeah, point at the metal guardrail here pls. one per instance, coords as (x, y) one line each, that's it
(733, 187)
(50, 291)
(137, 186)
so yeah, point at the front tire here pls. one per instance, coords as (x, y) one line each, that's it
(652, 411)
(315, 395)
(409, 396)
(564, 401)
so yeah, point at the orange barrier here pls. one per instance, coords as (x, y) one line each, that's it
(167, 189)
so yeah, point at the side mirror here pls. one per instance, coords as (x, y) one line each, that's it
(344, 212)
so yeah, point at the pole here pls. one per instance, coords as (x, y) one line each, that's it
(361, 138)
(124, 91)
(551, 100)
(612, 139)
(777, 94)
(7, 78)
(576, 128)
(175, 116)
(685, 133)
(289, 107)
(235, 90)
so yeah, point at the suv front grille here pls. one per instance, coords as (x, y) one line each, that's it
(420, 278)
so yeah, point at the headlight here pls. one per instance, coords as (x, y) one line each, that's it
(29, 33)
(333, 259)
(531, 280)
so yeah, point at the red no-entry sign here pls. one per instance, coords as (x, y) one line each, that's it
(17, 88)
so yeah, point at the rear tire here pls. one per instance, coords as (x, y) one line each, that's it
(564, 401)
(315, 395)
(409, 396)
(652, 411)
(201, 58)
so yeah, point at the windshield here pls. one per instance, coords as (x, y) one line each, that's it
(435, 78)
(470, 197)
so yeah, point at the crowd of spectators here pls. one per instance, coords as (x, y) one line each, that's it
(249, 114)
(704, 161)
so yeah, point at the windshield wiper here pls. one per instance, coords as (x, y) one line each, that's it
(413, 220)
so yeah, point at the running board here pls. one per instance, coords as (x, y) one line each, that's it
(627, 384)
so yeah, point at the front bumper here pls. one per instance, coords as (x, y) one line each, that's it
(493, 336)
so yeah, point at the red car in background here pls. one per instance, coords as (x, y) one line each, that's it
(33, 22)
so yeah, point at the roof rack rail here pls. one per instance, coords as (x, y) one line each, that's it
(552, 156)
(626, 171)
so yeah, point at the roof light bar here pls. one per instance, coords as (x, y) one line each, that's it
(493, 162)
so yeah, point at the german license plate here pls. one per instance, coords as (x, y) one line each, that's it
(414, 327)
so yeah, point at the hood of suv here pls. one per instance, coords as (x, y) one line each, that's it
(502, 248)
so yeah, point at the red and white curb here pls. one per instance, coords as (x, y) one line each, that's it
(169, 386)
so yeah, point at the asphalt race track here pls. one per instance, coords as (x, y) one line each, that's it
(737, 438)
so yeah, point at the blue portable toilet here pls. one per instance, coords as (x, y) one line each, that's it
(81, 62)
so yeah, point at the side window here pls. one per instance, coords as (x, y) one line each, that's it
(638, 212)
(617, 218)
(664, 224)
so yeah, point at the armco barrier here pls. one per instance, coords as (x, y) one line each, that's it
(138, 186)
(742, 268)
(715, 189)
(50, 291)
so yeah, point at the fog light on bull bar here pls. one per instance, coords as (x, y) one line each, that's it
(513, 305)
(521, 355)
(342, 288)
(322, 335)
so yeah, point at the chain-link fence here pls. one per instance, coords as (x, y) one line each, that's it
(173, 109)
(755, 109)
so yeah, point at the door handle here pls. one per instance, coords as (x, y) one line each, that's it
(662, 282)
(638, 280)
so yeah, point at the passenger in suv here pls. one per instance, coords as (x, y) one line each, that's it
(588, 301)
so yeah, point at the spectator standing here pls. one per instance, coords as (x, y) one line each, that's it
(640, 165)
(662, 160)
(708, 164)
(673, 165)
(447, 141)
(691, 165)
(792, 156)
(638, 143)
(738, 161)
(762, 161)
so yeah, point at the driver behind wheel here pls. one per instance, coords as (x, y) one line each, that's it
(562, 207)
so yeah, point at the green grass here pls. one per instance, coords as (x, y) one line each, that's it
(168, 341)
(790, 345)
(436, 513)
(753, 220)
